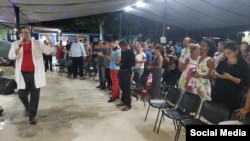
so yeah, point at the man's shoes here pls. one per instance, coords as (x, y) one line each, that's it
(98, 86)
(111, 100)
(103, 88)
(120, 104)
(82, 78)
(126, 108)
(33, 121)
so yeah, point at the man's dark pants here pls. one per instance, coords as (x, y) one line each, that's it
(32, 105)
(124, 76)
(102, 76)
(48, 62)
(77, 63)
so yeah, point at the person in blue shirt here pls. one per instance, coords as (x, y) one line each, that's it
(148, 57)
(77, 53)
(114, 67)
(146, 72)
(178, 49)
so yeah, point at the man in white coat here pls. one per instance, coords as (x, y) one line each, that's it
(29, 73)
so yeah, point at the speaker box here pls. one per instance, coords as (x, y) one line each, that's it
(7, 86)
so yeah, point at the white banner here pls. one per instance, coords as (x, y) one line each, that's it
(63, 38)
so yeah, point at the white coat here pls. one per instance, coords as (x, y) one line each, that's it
(38, 48)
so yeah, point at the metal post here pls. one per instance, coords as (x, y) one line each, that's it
(120, 28)
(17, 21)
(164, 19)
(163, 30)
(31, 30)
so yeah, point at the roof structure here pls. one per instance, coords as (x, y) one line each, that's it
(185, 14)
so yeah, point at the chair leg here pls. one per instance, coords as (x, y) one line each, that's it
(174, 124)
(160, 123)
(131, 97)
(177, 134)
(157, 118)
(144, 102)
(147, 113)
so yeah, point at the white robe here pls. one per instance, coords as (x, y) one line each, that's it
(38, 48)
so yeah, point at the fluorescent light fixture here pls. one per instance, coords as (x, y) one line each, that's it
(3, 21)
(128, 8)
(140, 4)
(216, 38)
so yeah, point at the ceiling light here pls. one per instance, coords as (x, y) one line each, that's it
(246, 32)
(128, 8)
(139, 4)
(216, 38)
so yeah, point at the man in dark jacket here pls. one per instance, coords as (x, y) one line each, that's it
(124, 75)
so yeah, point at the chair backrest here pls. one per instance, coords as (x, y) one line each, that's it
(189, 103)
(173, 95)
(214, 112)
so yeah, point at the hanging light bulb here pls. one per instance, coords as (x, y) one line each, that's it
(140, 4)
(128, 8)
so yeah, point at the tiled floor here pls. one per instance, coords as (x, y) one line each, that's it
(74, 110)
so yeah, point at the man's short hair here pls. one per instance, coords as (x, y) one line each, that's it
(23, 27)
(123, 43)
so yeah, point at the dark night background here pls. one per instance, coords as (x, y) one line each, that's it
(134, 25)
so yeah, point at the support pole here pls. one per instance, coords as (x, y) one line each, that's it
(17, 21)
(120, 28)
(31, 29)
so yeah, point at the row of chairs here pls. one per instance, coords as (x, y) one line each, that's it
(89, 67)
(184, 110)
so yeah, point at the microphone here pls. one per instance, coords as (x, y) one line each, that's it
(22, 42)
(24, 39)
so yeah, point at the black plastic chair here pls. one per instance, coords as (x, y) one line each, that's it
(135, 91)
(187, 108)
(212, 112)
(170, 101)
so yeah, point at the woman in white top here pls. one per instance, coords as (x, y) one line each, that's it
(219, 55)
(140, 59)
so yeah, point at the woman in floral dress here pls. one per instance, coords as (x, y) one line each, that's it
(200, 81)
(189, 65)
